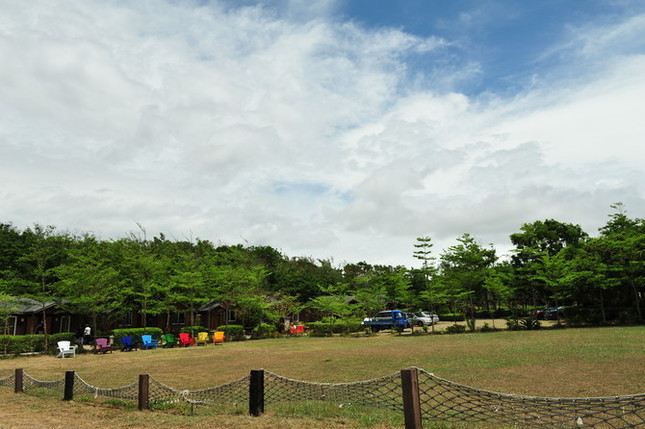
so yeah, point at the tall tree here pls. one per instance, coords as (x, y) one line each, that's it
(621, 246)
(90, 283)
(464, 268)
(423, 252)
(46, 250)
(536, 241)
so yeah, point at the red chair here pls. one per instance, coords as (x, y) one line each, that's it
(297, 329)
(185, 339)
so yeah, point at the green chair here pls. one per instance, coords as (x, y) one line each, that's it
(169, 340)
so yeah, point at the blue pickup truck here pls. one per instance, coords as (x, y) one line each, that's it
(390, 319)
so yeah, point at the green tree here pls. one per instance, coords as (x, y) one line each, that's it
(89, 282)
(464, 268)
(621, 246)
(46, 250)
(536, 241)
(423, 252)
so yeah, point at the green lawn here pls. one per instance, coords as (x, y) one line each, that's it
(558, 363)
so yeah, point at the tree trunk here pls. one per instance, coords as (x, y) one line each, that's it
(637, 301)
(94, 326)
(602, 308)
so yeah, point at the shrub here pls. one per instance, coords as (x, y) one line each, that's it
(512, 324)
(451, 317)
(627, 317)
(136, 333)
(581, 316)
(264, 330)
(456, 329)
(334, 326)
(530, 323)
(487, 328)
(17, 344)
(192, 330)
(232, 332)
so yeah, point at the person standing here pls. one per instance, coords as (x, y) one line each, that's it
(80, 333)
(87, 335)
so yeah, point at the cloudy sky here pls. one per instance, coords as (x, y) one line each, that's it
(330, 129)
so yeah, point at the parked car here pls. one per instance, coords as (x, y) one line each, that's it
(549, 313)
(390, 319)
(424, 318)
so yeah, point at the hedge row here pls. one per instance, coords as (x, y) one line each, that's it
(334, 327)
(17, 344)
(232, 332)
(136, 334)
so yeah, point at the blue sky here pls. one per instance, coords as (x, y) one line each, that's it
(330, 129)
(509, 40)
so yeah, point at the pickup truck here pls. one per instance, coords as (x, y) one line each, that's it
(390, 319)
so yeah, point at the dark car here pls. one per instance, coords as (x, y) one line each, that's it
(549, 313)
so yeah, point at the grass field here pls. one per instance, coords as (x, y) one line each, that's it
(557, 363)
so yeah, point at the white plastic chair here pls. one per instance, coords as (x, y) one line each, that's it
(65, 349)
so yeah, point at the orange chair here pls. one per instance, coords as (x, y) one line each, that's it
(218, 337)
(185, 339)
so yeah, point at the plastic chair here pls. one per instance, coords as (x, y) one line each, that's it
(128, 344)
(102, 346)
(169, 340)
(65, 349)
(202, 338)
(297, 329)
(148, 342)
(185, 339)
(218, 337)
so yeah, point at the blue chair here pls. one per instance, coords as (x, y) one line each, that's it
(128, 344)
(148, 342)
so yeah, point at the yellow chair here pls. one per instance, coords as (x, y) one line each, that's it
(218, 337)
(202, 338)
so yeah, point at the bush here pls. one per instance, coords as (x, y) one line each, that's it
(232, 332)
(456, 329)
(582, 316)
(136, 334)
(627, 317)
(17, 344)
(264, 330)
(334, 326)
(488, 328)
(452, 317)
(513, 324)
(192, 330)
(530, 323)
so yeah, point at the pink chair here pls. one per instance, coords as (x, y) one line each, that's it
(102, 346)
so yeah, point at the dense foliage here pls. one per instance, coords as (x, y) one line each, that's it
(601, 278)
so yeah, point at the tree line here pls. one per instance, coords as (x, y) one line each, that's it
(552, 264)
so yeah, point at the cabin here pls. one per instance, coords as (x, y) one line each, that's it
(28, 316)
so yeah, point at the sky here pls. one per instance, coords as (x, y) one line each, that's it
(337, 130)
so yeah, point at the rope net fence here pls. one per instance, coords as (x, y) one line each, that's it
(233, 393)
(383, 392)
(129, 392)
(8, 381)
(440, 400)
(30, 382)
(443, 400)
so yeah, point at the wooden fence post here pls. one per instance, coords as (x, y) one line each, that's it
(18, 383)
(69, 386)
(256, 393)
(144, 391)
(411, 403)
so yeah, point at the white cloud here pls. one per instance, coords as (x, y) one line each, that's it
(290, 129)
